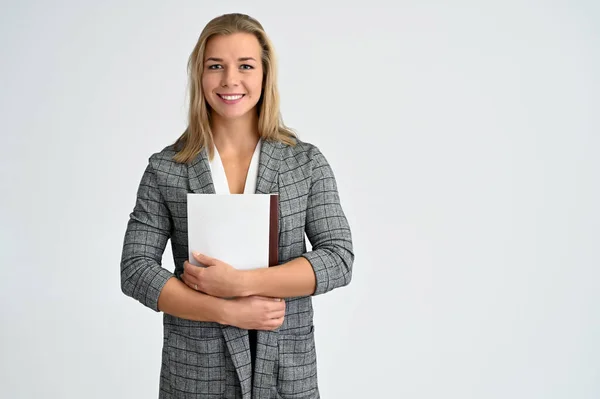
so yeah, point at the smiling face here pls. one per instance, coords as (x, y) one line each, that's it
(233, 75)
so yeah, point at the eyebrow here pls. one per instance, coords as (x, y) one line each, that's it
(221, 59)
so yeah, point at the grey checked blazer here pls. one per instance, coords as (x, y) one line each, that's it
(210, 360)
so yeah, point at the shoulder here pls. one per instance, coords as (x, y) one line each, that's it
(163, 160)
(305, 160)
(166, 154)
(302, 153)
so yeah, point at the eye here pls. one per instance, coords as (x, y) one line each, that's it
(215, 66)
(246, 66)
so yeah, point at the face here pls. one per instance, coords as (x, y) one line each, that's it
(233, 75)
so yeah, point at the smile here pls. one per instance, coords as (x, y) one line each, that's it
(232, 97)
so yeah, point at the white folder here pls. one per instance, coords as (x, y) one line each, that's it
(239, 229)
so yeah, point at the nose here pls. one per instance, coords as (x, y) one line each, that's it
(230, 77)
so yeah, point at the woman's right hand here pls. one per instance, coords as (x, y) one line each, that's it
(255, 312)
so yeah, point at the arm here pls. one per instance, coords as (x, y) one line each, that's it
(294, 278)
(329, 264)
(142, 275)
(179, 300)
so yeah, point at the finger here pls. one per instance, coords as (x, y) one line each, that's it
(277, 314)
(203, 259)
(186, 280)
(283, 306)
(193, 270)
(190, 281)
(275, 305)
(188, 267)
(274, 323)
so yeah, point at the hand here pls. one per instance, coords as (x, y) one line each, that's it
(217, 278)
(255, 313)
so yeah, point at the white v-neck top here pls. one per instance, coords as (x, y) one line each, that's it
(220, 178)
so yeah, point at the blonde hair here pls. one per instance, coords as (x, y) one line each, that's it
(198, 133)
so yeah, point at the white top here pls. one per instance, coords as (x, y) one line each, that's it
(220, 178)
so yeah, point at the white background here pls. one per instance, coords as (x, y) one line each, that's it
(465, 141)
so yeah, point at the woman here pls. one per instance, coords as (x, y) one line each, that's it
(260, 344)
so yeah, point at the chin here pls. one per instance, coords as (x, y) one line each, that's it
(233, 115)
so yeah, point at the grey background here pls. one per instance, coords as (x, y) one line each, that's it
(464, 138)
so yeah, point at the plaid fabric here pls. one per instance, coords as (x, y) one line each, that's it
(209, 360)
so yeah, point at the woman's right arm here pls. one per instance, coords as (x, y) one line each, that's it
(144, 279)
(142, 275)
(146, 236)
(178, 300)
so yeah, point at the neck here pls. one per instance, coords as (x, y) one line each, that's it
(235, 135)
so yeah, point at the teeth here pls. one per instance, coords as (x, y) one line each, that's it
(232, 98)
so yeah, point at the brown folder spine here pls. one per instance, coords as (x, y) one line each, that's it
(274, 230)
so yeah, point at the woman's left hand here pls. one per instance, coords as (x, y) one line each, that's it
(217, 278)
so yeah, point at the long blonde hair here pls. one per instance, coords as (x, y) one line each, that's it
(198, 134)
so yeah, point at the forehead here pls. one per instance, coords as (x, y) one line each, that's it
(233, 46)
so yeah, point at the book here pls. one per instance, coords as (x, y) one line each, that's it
(239, 229)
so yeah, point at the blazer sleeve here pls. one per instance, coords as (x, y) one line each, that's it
(147, 233)
(327, 229)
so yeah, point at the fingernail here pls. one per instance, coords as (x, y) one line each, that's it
(195, 253)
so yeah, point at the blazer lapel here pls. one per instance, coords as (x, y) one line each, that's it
(267, 181)
(199, 176)
(238, 346)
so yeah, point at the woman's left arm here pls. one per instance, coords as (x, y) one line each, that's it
(329, 264)
(326, 267)
(294, 278)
